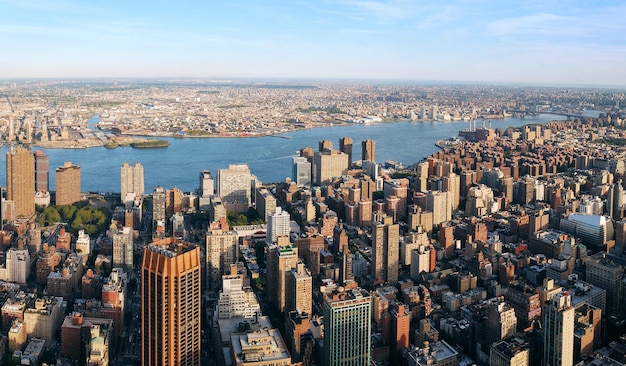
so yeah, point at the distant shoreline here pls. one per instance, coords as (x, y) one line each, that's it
(127, 139)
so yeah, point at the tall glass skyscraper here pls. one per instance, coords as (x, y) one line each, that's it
(347, 327)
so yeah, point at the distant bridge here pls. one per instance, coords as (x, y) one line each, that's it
(568, 115)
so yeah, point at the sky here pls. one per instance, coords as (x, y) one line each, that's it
(530, 42)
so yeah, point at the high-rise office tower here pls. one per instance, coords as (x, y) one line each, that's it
(265, 203)
(345, 146)
(206, 190)
(21, 180)
(347, 327)
(42, 174)
(604, 271)
(234, 186)
(307, 152)
(328, 164)
(385, 250)
(439, 203)
(207, 186)
(173, 201)
(170, 302)
(558, 331)
(301, 171)
(281, 257)
(368, 150)
(324, 145)
(399, 189)
(309, 249)
(422, 177)
(68, 184)
(123, 248)
(400, 328)
(131, 180)
(221, 252)
(345, 271)
(158, 207)
(452, 183)
(615, 201)
(299, 290)
(277, 225)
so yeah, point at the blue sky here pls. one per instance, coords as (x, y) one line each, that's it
(529, 42)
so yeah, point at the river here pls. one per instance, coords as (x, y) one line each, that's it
(269, 158)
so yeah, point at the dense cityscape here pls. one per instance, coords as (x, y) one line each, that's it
(56, 114)
(505, 246)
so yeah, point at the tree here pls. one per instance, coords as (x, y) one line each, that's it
(235, 219)
(67, 212)
(49, 216)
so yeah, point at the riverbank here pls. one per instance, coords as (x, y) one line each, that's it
(110, 143)
(269, 158)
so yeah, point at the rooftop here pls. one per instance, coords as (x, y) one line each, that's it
(170, 247)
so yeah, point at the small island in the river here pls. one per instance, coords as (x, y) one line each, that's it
(149, 144)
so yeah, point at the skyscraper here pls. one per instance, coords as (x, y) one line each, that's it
(221, 252)
(324, 145)
(368, 150)
(234, 186)
(439, 203)
(345, 146)
(21, 180)
(606, 272)
(207, 186)
(265, 203)
(42, 174)
(123, 248)
(277, 225)
(170, 302)
(158, 208)
(206, 190)
(328, 164)
(385, 250)
(347, 327)
(299, 290)
(615, 201)
(131, 180)
(68, 184)
(558, 331)
(301, 171)
(280, 259)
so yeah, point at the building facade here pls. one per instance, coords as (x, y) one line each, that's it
(221, 252)
(234, 186)
(558, 331)
(20, 172)
(68, 184)
(170, 296)
(385, 250)
(42, 172)
(131, 180)
(347, 327)
(277, 225)
(368, 150)
(123, 248)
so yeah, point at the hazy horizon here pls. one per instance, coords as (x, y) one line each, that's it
(574, 44)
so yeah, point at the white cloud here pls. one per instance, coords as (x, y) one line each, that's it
(542, 24)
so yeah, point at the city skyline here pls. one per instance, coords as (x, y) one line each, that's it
(479, 41)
